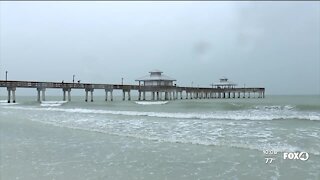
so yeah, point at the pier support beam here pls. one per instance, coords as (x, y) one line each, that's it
(65, 90)
(14, 95)
(144, 95)
(11, 91)
(123, 95)
(38, 97)
(64, 95)
(69, 95)
(86, 99)
(152, 95)
(139, 97)
(106, 97)
(91, 92)
(111, 95)
(129, 96)
(9, 95)
(41, 92)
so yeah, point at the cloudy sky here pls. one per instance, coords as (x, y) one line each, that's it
(275, 45)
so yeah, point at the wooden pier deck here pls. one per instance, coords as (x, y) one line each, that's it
(170, 92)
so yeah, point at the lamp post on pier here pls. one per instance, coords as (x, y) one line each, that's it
(73, 79)
(6, 75)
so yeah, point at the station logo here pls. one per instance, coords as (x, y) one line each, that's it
(303, 156)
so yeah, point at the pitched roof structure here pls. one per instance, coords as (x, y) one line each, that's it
(156, 75)
(224, 82)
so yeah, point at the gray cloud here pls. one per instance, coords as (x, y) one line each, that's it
(271, 44)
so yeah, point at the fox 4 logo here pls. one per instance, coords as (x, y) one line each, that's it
(303, 156)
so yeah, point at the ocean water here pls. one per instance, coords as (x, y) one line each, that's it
(181, 139)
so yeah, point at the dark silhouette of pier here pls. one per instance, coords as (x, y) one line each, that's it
(158, 92)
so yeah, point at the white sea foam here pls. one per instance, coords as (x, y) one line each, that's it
(179, 130)
(151, 102)
(219, 115)
(275, 107)
(52, 103)
(237, 115)
(5, 103)
(182, 133)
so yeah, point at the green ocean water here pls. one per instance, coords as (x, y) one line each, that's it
(181, 139)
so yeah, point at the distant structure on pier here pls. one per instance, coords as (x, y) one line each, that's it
(156, 78)
(224, 83)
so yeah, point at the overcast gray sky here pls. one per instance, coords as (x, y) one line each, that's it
(275, 45)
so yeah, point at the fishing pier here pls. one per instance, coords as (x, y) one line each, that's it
(159, 86)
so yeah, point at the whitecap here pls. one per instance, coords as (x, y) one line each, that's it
(5, 103)
(151, 102)
(52, 103)
(275, 107)
(219, 115)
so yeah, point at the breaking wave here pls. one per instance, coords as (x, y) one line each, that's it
(5, 103)
(52, 103)
(181, 134)
(151, 102)
(218, 115)
(285, 107)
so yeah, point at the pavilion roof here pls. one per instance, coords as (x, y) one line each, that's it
(155, 75)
